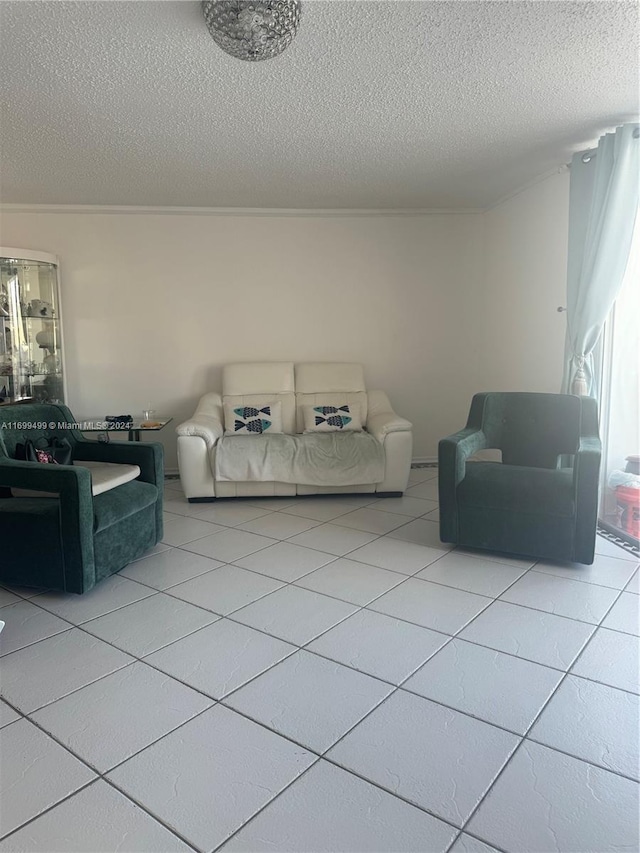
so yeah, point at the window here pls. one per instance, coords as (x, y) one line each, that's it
(619, 510)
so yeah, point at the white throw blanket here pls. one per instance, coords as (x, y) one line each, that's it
(313, 459)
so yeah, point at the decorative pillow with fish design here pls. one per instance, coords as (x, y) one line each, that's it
(252, 420)
(331, 419)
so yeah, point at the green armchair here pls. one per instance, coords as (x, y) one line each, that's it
(542, 499)
(74, 539)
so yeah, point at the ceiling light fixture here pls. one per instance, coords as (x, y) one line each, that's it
(252, 29)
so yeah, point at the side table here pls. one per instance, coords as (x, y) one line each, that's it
(134, 430)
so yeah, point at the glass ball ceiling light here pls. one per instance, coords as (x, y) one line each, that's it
(252, 29)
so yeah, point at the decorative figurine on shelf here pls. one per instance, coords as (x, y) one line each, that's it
(53, 388)
(40, 308)
(45, 339)
(51, 363)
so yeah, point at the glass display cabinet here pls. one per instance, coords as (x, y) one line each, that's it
(31, 359)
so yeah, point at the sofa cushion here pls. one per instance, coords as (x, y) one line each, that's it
(329, 459)
(516, 488)
(257, 384)
(112, 506)
(257, 377)
(331, 419)
(330, 384)
(251, 420)
(321, 376)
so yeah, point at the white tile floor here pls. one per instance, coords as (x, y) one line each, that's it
(323, 674)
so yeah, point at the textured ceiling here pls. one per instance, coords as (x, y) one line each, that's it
(375, 104)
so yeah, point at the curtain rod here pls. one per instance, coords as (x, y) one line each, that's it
(592, 153)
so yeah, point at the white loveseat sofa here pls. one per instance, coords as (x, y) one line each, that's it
(202, 442)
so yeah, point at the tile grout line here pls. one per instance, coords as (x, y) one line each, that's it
(404, 578)
(49, 808)
(336, 557)
(99, 775)
(525, 736)
(266, 805)
(445, 553)
(214, 701)
(292, 583)
(155, 817)
(296, 648)
(134, 658)
(395, 689)
(589, 761)
(324, 756)
(493, 783)
(82, 788)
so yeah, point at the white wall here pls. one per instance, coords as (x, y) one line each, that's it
(524, 272)
(154, 304)
(435, 306)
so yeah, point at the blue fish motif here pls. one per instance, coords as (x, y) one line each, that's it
(339, 421)
(257, 425)
(249, 412)
(330, 410)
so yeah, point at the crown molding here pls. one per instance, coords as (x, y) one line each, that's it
(339, 213)
(300, 212)
(558, 170)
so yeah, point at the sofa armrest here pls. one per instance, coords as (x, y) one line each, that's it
(207, 422)
(381, 419)
(383, 423)
(204, 426)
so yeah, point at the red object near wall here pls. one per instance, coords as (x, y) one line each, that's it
(628, 510)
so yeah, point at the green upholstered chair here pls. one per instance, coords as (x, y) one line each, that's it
(75, 539)
(529, 503)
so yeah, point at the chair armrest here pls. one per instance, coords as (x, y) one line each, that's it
(586, 466)
(73, 486)
(586, 469)
(453, 452)
(149, 456)
(586, 475)
(204, 426)
(63, 479)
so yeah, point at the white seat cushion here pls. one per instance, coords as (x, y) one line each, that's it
(104, 476)
(316, 459)
(108, 475)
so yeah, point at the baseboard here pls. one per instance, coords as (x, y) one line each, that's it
(423, 461)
